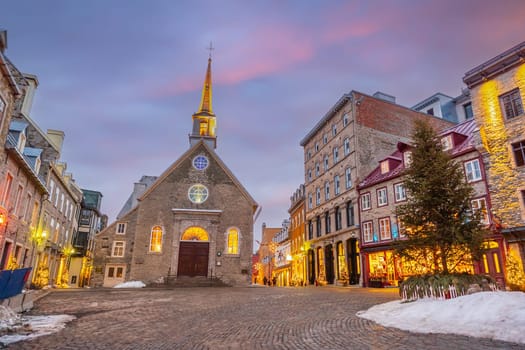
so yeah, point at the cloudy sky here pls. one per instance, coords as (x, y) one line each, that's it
(122, 78)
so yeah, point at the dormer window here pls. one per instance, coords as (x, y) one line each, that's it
(38, 162)
(446, 143)
(407, 158)
(21, 142)
(384, 167)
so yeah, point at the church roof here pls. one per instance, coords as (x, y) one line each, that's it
(214, 155)
(205, 107)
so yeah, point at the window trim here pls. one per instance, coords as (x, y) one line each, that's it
(381, 204)
(368, 224)
(379, 221)
(117, 228)
(514, 151)
(486, 217)
(465, 167)
(396, 186)
(515, 108)
(369, 201)
(227, 243)
(114, 245)
(161, 244)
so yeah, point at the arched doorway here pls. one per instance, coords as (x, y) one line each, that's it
(193, 252)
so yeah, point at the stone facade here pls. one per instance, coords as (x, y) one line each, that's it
(341, 149)
(502, 139)
(166, 204)
(297, 236)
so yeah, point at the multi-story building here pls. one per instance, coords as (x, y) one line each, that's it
(266, 253)
(383, 190)
(341, 149)
(297, 237)
(497, 89)
(282, 272)
(91, 221)
(456, 109)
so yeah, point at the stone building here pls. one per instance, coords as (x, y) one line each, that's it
(193, 223)
(297, 236)
(497, 89)
(383, 190)
(266, 253)
(341, 149)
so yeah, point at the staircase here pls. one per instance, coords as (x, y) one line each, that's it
(192, 282)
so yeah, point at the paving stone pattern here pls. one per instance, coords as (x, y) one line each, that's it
(231, 318)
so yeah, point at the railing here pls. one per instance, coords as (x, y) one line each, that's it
(441, 292)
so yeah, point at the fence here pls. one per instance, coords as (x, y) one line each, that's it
(440, 292)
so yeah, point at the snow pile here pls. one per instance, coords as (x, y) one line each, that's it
(495, 315)
(130, 284)
(14, 328)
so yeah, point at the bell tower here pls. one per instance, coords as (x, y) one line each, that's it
(204, 120)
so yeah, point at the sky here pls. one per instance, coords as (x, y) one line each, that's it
(460, 315)
(122, 78)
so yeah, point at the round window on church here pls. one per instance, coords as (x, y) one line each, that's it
(198, 193)
(200, 162)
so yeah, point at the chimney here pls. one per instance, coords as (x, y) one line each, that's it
(3, 40)
(385, 97)
(32, 84)
(57, 138)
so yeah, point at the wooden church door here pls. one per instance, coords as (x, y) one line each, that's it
(193, 259)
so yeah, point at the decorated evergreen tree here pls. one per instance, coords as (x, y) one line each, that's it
(442, 234)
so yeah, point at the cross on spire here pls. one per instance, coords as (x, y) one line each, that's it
(210, 48)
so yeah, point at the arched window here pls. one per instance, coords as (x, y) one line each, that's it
(195, 233)
(232, 241)
(156, 239)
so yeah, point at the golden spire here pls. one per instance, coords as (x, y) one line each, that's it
(205, 105)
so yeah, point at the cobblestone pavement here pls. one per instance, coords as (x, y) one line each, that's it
(232, 318)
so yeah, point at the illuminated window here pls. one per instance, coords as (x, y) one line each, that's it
(473, 170)
(511, 104)
(518, 149)
(195, 233)
(382, 198)
(368, 231)
(198, 193)
(118, 249)
(346, 146)
(365, 201)
(327, 190)
(384, 229)
(400, 192)
(384, 167)
(233, 241)
(337, 187)
(115, 271)
(200, 162)
(348, 178)
(121, 228)
(156, 239)
(480, 204)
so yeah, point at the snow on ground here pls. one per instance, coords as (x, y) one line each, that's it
(16, 328)
(496, 315)
(130, 284)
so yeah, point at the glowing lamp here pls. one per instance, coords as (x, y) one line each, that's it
(3, 219)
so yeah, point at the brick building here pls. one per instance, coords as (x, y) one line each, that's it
(341, 150)
(266, 252)
(194, 220)
(297, 236)
(382, 191)
(497, 89)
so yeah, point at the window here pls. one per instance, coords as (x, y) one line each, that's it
(233, 241)
(18, 199)
(338, 224)
(51, 190)
(198, 194)
(350, 218)
(325, 139)
(316, 147)
(367, 231)
(309, 174)
(310, 201)
(115, 272)
(400, 192)
(334, 129)
(325, 163)
(118, 249)
(310, 230)
(365, 201)
(317, 196)
(518, 149)
(467, 108)
(346, 146)
(446, 143)
(317, 169)
(200, 162)
(121, 228)
(348, 178)
(336, 154)
(309, 155)
(27, 211)
(62, 203)
(345, 119)
(327, 190)
(384, 229)
(318, 226)
(522, 193)
(382, 198)
(155, 243)
(472, 170)
(7, 189)
(327, 223)
(430, 111)
(407, 158)
(57, 196)
(384, 167)
(337, 187)
(480, 204)
(21, 142)
(511, 104)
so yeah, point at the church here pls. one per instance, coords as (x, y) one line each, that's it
(194, 222)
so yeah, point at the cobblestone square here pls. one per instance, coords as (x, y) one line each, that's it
(238, 318)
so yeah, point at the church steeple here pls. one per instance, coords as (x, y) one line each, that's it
(204, 120)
